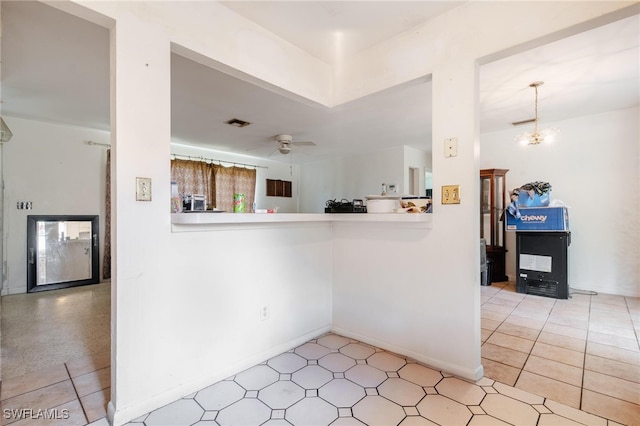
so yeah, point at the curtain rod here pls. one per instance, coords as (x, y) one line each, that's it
(235, 163)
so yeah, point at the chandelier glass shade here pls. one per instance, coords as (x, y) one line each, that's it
(5, 133)
(537, 136)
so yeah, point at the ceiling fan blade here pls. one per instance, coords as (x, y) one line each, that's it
(519, 123)
(304, 143)
(273, 152)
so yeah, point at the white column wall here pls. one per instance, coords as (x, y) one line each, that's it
(185, 306)
(417, 292)
(456, 227)
(142, 309)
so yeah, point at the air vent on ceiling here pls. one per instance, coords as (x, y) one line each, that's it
(236, 122)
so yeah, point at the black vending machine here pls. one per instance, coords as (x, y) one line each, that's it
(542, 263)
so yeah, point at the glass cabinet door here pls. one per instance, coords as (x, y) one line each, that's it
(492, 205)
(485, 208)
(498, 208)
(493, 202)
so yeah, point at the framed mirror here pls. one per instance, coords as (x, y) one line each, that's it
(62, 251)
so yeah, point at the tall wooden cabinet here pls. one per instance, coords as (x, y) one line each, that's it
(493, 201)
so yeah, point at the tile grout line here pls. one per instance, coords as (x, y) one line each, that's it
(534, 342)
(633, 325)
(84, 412)
(521, 369)
(496, 329)
(584, 357)
(501, 322)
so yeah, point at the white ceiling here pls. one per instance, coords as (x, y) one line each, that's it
(55, 68)
(333, 30)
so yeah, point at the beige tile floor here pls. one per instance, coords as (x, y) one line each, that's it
(73, 393)
(340, 382)
(582, 352)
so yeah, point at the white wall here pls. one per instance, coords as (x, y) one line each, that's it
(594, 167)
(359, 175)
(208, 307)
(270, 170)
(350, 177)
(421, 161)
(53, 167)
(387, 292)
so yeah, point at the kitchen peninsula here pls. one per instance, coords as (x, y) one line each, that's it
(208, 221)
(346, 273)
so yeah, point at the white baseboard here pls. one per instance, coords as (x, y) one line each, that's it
(438, 364)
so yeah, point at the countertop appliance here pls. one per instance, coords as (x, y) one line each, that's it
(383, 203)
(345, 206)
(194, 203)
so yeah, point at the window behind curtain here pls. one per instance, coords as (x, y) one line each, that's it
(216, 182)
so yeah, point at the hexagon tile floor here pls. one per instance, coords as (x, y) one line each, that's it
(337, 381)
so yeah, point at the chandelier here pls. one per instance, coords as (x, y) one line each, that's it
(5, 133)
(538, 136)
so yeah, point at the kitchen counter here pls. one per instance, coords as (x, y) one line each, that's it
(181, 222)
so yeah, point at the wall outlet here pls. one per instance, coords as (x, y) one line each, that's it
(143, 189)
(265, 312)
(24, 205)
(451, 147)
(451, 194)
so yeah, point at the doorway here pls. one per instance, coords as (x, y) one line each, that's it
(64, 324)
(414, 181)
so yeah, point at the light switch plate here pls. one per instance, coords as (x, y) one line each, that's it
(451, 194)
(451, 147)
(143, 189)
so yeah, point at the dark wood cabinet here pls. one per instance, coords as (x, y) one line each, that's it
(493, 201)
(278, 188)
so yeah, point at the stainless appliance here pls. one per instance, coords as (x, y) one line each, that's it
(194, 203)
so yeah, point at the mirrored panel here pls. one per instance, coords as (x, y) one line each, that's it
(62, 251)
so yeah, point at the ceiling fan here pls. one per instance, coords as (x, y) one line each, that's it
(286, 144)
